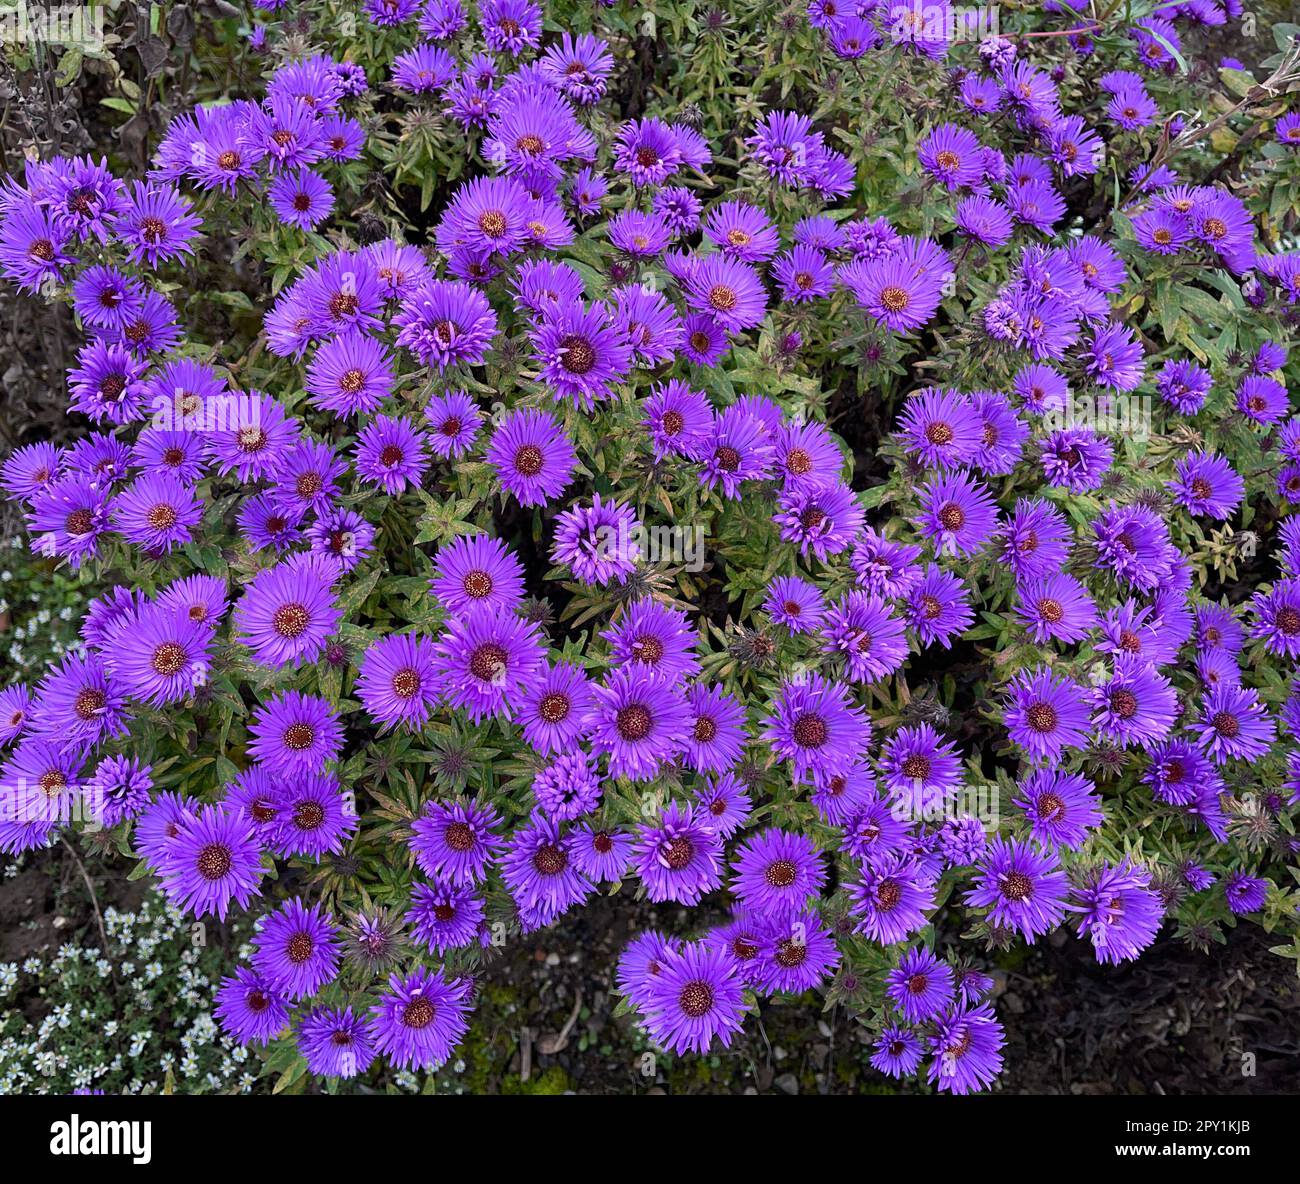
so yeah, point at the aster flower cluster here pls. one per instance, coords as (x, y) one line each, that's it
(539, 559)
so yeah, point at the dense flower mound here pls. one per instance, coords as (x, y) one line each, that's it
(872, 538)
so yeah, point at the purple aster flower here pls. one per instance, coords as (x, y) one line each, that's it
(445, 323)
(1234, 724)
(968, 1050)
(898, 291)
(119, 789)
(487, 661)
(1262, 399)
(313, 817)
(598, 542)
(938, 608)
(423, 69)
(554, 709)
(897, 1052)
(579, 67)
(297, 949)
(580, 351)
(213, 859)
(640, 718)
(86, 198)
(815, 725)
(342, 537)
(1183, 385)
(103, 297)
(795, 603)
(163, 656)
(1135, 704)
(823, 519)
(477, 571)
(455, 841)
(792, 954)
(454, 419)
(696, 998)
(179, 454)
(920, 986)
(445, 916)
(267, 524)
(1036, 204)
(1132, 108)
(533, 457)
(862, 629)
(1132, 543)
(717, 735)
(724, 803)
(920, 770)
(638, 234)
(539, 871)
(984, 220)
(1046, 714)
(391, 454)
(1061, 808)
(32, 246)
(679, 209)
(1118, 910)
(601, 854)
(335, 1042)
(28, 470)
(302, 198)
(308, 475)
(740, 451)
(640, 963)
(678, 856)
(728, 291)
(1056, 607)
(67, 518)
(891, 899)
(1207, 485)
(350, 374)
(157, 513)
(958, 513)
(1162, 231)
(289, 611)
(680, 421)
(1022, 886)
(1277, 617)
(655, 638)
(295, 733)
(106, 385)
(397, 680)
(1076, 459)
(741, 231)
(15, 712)
(1245, 893)
(883, 567)
(951, 155)
(420, 1019)
(776, 871)
(649, 322)
(706, 340)
(567, 787)
(78, 705)
(846, 800)
(1037, 539)
(250, 1009)
(253, 447)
